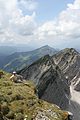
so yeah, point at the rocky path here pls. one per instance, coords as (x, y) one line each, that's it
(75, 103)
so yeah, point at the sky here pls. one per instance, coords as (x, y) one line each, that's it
(40, 22)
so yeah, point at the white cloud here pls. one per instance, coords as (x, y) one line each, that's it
(76, 5)
(64, 29)
(24, 25)
(14, 25)
(28, 4)
(17, 27)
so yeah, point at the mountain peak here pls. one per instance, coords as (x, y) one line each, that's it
(20, 60)
(69, 62)
(47, 47)
(70, 50)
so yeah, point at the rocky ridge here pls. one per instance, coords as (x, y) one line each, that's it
(55, 76)
(68, 61)
(50, 82)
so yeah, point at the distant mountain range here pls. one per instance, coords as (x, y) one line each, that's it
(19, 60)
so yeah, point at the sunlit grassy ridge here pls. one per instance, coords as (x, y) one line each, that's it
(18, 100)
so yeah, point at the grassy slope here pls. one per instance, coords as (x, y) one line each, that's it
(19, 100)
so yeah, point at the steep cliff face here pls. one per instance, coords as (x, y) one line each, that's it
(68, 61)
(49, 80)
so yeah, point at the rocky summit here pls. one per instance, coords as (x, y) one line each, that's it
(68, 61)
(50, 81)
(18, 101)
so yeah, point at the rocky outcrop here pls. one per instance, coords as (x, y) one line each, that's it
(49, 80)
(68, 61)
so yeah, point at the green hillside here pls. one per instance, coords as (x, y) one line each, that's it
(18, 101)
(19, 60)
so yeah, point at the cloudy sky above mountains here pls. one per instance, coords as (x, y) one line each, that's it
(40, 22)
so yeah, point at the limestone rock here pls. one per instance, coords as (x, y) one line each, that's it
(68, 61)
(49, 80)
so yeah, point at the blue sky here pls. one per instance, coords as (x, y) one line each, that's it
(40, 22)
(49, 9)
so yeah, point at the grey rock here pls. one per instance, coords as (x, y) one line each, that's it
(68, 61)
(49, 80)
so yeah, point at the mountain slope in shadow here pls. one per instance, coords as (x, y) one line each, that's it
(50, 82)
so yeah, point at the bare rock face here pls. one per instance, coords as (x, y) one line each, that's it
(68, 61)
(50, 82)
(53, 77)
